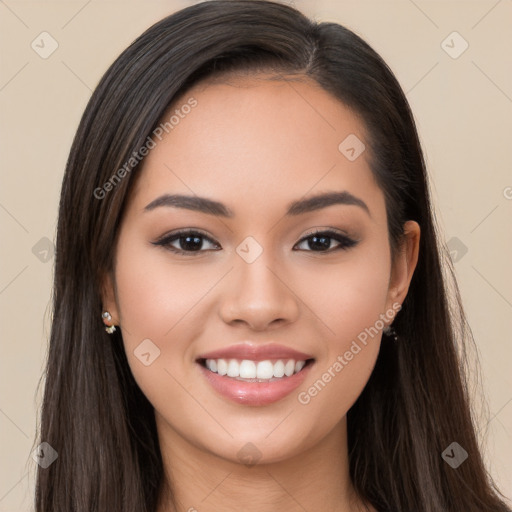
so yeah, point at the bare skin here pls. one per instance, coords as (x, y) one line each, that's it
(256, 145)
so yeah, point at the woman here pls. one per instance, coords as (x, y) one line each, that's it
(250, 310)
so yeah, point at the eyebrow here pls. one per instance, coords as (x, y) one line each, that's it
(301, 206)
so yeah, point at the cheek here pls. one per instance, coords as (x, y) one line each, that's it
(155, 295)
(350, 300)
(348, 296)
(158, 304)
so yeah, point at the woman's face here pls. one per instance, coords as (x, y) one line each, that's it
(255, 276)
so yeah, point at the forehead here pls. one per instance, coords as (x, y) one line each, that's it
(253, 139)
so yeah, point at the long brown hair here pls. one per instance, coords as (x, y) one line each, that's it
(95, 416)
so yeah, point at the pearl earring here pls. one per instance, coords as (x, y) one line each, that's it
(390, 331)
(108, 317)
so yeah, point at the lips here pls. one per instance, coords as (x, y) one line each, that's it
(255, 391)
(256, 352)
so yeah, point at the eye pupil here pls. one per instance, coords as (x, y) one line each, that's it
(324, 244)
(189, 246)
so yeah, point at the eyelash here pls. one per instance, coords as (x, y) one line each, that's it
(345, 242)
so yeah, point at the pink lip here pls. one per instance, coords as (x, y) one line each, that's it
(254, 393)
(256, 352)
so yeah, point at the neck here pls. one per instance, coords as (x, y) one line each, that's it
(203, 482)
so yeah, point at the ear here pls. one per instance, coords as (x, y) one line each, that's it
(108, 297)
(404, 265)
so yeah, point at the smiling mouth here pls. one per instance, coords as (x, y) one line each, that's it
(247, 370)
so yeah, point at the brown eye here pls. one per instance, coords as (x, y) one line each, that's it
(320, 241)
(189, 242)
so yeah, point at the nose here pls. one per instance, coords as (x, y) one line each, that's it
(259, 296)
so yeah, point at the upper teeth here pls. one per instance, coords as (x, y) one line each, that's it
(247, 369)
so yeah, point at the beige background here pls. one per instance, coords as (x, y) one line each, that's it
(463, 108)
